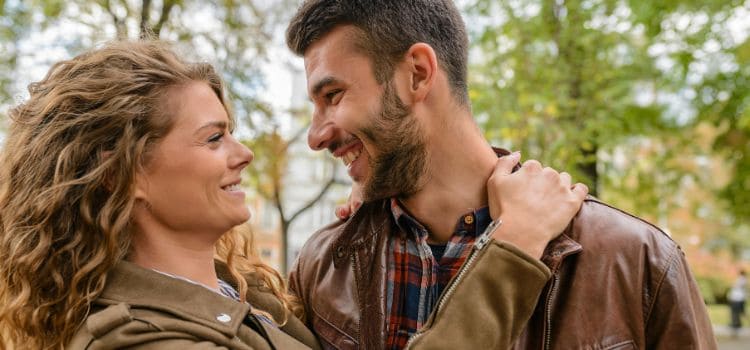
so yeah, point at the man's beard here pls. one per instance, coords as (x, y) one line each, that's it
(401, 163)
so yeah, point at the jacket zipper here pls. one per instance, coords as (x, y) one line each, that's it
(357, 273)
(479, 245)
(548, 313)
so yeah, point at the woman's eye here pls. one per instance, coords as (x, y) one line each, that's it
(216, 137)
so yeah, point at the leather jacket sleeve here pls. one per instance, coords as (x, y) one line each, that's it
(677, 319)
(490, 304)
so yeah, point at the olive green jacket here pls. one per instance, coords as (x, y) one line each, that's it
(143, 309)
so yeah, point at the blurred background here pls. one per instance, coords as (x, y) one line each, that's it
(647, 102)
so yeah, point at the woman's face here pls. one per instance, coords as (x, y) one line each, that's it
(191, 183)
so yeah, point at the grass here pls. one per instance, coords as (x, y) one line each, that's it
(719, 314)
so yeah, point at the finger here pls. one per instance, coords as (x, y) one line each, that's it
(565, 179)
(550, 173)
(581, 190)
(532, 165)
(505, 164)
(342, 212)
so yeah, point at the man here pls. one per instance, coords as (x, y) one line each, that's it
(388, 82)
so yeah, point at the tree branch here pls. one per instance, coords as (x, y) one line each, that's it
(145, 12)
(320, 195)
(164, 17)
(277, 199)
(295, 137)
(119, 22)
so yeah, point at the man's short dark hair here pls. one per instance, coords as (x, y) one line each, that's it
(386, 30)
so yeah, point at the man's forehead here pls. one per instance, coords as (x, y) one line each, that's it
(341, 41)
(331, 59)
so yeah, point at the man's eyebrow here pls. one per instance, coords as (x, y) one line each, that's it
(321, 84)
(215, 124)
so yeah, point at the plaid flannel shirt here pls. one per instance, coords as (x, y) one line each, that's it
(415, 278)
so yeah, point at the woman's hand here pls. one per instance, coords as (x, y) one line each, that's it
(535, 204)
(353, 203)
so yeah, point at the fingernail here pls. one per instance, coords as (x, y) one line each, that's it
(516, 154)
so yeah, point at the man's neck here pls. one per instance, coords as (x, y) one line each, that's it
(460, 163)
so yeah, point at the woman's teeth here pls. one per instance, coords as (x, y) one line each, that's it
(230, 188)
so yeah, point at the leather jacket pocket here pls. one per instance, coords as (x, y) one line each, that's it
(330, 336)
(625, 345)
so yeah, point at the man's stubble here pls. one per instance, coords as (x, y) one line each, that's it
(400, 166)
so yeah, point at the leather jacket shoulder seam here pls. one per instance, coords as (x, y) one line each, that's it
(651, 225)
(670, 263)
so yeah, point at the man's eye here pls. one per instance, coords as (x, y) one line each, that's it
(330, 96)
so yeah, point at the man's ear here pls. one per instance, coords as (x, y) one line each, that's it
(422, 63)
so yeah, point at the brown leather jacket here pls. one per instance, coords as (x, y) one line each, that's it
(618, 283)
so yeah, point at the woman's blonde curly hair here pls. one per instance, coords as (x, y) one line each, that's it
(67, 175)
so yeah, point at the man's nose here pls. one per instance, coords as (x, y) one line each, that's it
(321, 132)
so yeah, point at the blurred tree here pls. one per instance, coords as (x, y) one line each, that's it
(233, 35)
(722, 98)
(643, 101)
(269, 172)
(572, 78)
(12, 20)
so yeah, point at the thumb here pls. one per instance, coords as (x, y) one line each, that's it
(343, 212)
(505, 164)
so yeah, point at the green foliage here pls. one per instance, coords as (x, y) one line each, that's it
(620, 94)
(563, 80)
(725, 102)
(713, 290)
(232, 34)
(719, 314)
(52, 8)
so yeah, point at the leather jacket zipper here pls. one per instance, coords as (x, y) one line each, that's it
(548, 313)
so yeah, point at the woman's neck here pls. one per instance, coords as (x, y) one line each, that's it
(194, 262)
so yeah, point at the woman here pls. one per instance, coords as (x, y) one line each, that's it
(120, 202)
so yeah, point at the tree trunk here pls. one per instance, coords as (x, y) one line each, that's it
(284, 242)
(588, 168)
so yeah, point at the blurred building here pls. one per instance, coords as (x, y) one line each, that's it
(307, 173)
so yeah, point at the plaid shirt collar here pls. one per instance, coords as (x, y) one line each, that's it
(473, 222)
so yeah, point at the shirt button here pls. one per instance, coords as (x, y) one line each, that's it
(469, 219)
(223, 318)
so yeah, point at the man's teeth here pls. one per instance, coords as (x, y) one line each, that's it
(351, 156)
(235, 187)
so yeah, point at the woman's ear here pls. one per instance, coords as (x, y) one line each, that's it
(141, 186)
(422, 63)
